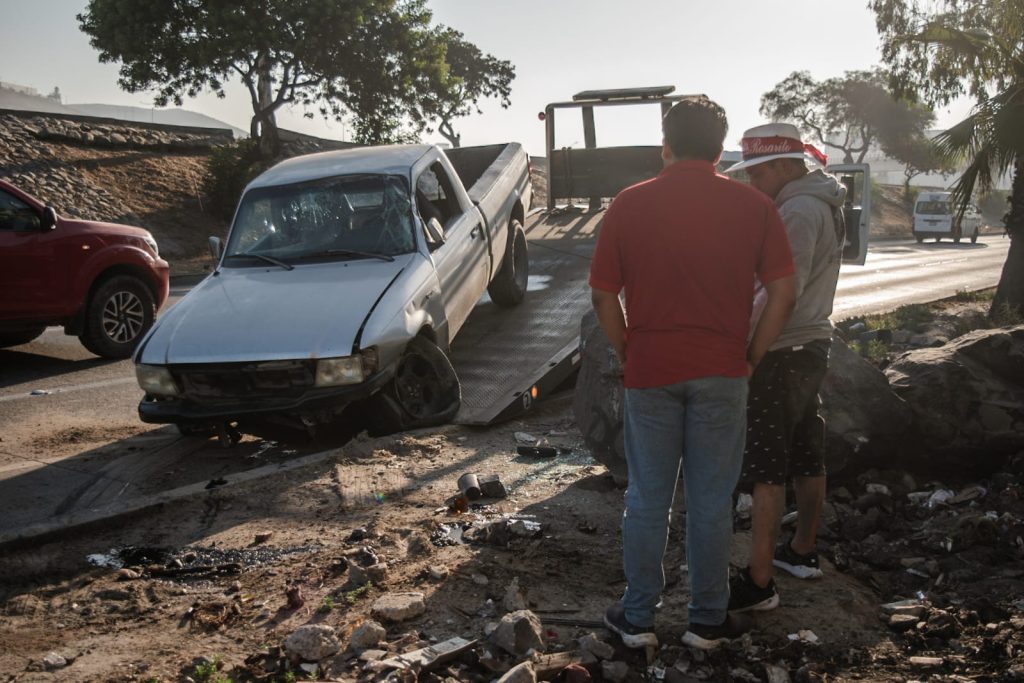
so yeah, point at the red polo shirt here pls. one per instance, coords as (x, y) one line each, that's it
(686, 246)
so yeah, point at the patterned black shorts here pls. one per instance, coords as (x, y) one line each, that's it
(785, 433)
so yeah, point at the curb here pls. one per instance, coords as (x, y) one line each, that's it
(55, 528)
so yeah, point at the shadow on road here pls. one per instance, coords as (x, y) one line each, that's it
(18, 366)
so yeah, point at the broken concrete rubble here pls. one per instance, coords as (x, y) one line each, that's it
(521, 673)
(366, 635)
(518, 633)
(312, 642)
(399, 606)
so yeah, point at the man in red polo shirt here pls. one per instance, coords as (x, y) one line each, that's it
(685, 248)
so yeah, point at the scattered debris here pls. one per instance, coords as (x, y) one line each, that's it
(430, 657)
(804, 635)
(615, 672)
(525, 438)
(399, 606)
(367, 635)
(294, 596)
(521, 673)
(312, 642)
(518, 633)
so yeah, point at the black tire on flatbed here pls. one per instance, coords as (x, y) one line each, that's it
(508, 287)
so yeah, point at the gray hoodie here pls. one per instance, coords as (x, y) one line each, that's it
(811, 208)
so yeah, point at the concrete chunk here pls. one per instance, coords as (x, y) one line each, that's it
(399, 606)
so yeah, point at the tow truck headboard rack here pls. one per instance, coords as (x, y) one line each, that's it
(599, 172)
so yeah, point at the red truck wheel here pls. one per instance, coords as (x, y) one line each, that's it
(120, 312)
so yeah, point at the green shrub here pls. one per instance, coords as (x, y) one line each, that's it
(230, 169)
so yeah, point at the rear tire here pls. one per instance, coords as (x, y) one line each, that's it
(120, 312)
(919, 238)
(20, 337)
(424, 392)
(509, 285)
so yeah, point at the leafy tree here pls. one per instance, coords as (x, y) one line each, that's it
(355, 55)
(918, 154)
(848, 113)
(471, 76)
(942, 49)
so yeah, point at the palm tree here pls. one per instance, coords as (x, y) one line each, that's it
(970, 48)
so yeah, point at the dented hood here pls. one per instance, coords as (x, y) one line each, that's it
(254, 314)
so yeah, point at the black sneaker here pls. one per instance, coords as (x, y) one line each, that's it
(747, 596)
(708, 637)
(800, 566)
(632, 636)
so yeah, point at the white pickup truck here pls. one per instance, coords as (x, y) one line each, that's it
(345, 276)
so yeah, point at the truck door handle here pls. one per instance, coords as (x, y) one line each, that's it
(475, 232)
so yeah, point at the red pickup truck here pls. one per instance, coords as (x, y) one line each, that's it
(103, 282)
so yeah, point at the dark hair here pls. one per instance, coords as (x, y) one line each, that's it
(695, 128)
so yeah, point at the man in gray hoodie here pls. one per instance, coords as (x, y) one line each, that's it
(785, 433)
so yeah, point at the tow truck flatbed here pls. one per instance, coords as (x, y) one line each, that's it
(508, 358)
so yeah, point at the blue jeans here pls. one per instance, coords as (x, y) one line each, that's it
(701, 423)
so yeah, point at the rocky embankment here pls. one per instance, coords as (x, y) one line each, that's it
(142, 174)
(121, 172)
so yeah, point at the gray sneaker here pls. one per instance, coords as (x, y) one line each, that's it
(632, 636)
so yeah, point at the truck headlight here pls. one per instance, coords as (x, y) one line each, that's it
(156, 380)
(332, 372)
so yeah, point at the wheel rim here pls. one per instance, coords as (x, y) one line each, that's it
(123, 317)
(416, 385)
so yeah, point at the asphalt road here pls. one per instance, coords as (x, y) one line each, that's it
(71, 441)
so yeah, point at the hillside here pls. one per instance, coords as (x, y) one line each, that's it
(143, 174)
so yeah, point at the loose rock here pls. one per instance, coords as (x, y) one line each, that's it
(615, 672)
(312, 642)
(597, 647)
(367, 635)
(518, 633)
(399, 606)
(522, 673)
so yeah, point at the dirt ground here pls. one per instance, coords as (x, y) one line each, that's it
(206, 594)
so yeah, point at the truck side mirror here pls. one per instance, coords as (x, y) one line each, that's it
(49, 220)
(215, 247)
(435, 233)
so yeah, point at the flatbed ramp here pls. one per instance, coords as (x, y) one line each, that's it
(508, 358)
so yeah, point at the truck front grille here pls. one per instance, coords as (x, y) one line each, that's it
(246, 380)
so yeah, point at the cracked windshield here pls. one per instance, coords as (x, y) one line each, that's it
(332, 217)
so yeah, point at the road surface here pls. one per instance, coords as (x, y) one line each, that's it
(905, 272)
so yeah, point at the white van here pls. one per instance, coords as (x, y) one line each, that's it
(935, 216)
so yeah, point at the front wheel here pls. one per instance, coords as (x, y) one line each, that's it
(120, 311)
(509, 285)
(974, 237)
(424, 392)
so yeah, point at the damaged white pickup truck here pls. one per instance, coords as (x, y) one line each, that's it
(344, 277)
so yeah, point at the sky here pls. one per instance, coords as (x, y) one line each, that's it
(731, 50)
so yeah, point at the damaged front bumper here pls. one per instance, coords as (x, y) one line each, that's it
(305, 405)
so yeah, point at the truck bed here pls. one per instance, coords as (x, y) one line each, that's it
(506, 358)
